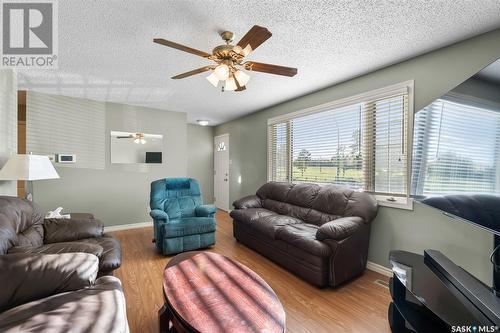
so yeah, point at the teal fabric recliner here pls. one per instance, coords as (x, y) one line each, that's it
(181, 221)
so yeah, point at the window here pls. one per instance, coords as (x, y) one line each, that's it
(456, 147)
(360, 142)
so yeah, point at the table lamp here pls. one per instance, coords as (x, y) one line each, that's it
(28, 167)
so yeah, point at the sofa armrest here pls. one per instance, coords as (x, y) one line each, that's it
(72, 229)
(205, 210)
(339, 229)
(159, 215)
(250, 201)
(28, 277)
(58, 248)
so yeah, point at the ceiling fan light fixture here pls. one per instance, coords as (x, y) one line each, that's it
(202, 122)
(213, 79)
(230, 84)
(228, 60)
(222, 72)
(242, 77)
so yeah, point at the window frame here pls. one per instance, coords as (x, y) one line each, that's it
(402, 202)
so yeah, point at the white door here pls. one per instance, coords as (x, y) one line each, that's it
(221, 171)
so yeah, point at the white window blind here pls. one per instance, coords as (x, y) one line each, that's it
(456, 148)
(360, 143)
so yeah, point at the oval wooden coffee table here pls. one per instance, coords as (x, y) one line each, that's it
(208, 292)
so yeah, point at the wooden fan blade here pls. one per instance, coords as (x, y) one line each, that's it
(193, 72)
(271, 69)
(181, 47)
(255, 36)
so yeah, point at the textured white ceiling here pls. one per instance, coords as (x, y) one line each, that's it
(106, 50)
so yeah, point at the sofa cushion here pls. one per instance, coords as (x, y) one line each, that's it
(305, 214)
(250, 214)
(97, 309)
(28, 277)
(111, 257)
(275, 190)
(189, 226)
(21, 223)
(344, 202)
(267, 225)
(75, 228)
(56, 248)
(319, 218)
(303, 236)
(316, 204)
(303, 194)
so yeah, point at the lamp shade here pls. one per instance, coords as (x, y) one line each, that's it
(222, 72)
(213, 79)
(230, 84)
(28, 167)
(242, 77)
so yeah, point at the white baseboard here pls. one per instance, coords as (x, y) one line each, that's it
(379, 269)
(128, 226)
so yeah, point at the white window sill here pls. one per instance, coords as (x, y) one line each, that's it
(394, 202)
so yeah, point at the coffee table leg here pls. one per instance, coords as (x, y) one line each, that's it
(164, 319)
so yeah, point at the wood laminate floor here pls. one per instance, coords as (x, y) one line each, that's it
(358, 306)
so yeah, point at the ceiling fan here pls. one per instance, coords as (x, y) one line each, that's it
(229, 60)
(138, 137)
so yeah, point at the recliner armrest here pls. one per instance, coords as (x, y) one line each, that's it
(250, 201)
(340, 228)
(205, 210)
(72, 229)
(160, 215)
(28, 277)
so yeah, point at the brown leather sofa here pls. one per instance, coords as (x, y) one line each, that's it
(49, 270)
(24, 230)
(58, 293)
(319, 232)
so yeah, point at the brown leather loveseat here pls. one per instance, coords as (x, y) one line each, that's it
(57, 293)
(319, 232)
(49, 273)
(23, 229)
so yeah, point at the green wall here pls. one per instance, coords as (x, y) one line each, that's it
(119, 193)
(434, 73)
(200, 159)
